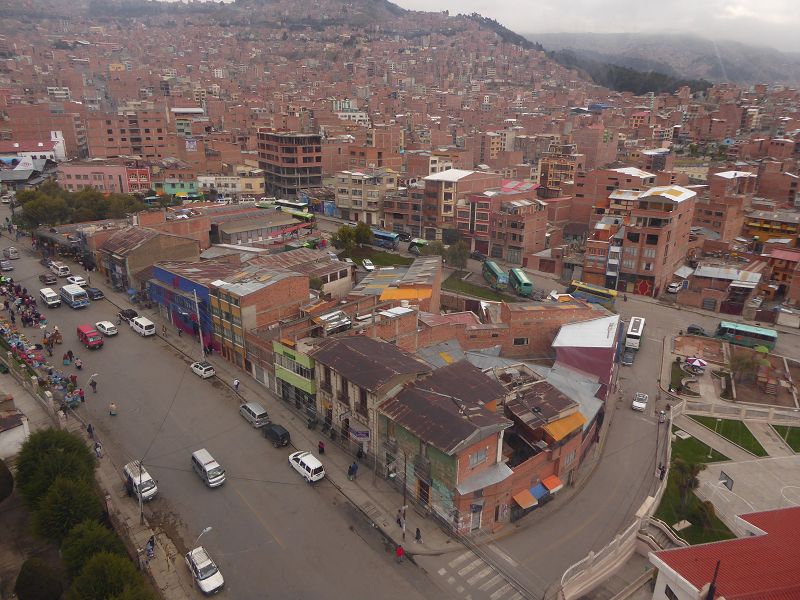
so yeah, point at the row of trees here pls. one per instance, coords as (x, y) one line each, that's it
(55, 479)
(51, 205)
(347, 238)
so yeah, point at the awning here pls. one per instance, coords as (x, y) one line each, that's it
(525, 499)
(489, 476)
(552, 483)
(684, 272)
(561, 428)
(539, 491)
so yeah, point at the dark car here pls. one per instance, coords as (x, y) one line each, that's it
(276, 434)
(48, 278)
(127, 314)
(405, 237)
(628, 358)
(45, 261)
(94, 293)
(477, 255)
(696, 330)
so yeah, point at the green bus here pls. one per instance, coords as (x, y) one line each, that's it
(299, 214)
(494, 275)
(595, 294)
(747, 335)
(520, 283)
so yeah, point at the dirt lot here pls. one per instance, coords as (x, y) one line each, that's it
(706, 348)
(747, 391)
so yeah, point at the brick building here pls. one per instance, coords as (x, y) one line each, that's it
(290, 161)
(723, 207)
(360, 194)
(146, 133)
(443, 191)
(105, 177)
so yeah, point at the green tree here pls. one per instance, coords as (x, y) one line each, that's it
(743, 365)
(84, 541)
(107, 576)
(685, 474)
(706, 514)
(457, 255)
(315, 283)
(6, 481)
(47, 454)
(344, 239)
(363, 234)
(434, 248)
(37, 581)
(67, 503)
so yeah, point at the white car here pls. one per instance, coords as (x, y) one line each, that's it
(674, 288)
(7, 199)
(203, 369)
(204, 571)
(639, 401)
(107, 328)
(368, 264)
(77, 280)
(307, 465)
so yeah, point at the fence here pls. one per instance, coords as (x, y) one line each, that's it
(771, 415)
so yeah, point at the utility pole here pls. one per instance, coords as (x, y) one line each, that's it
(199, 325)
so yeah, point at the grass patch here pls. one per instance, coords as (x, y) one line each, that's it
(454, 283)
(794, 435)
(676, 376)
(378, 257)
(735, 431)
(692, 450)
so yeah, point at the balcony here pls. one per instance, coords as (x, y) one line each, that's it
(342, 397)
(325, 386)
(422, 467)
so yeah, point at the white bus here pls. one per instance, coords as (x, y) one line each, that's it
(74, 295)
(635, 333)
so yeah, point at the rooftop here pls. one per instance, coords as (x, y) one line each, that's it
(676, 193)
(449, 175)
(597, 333)
(634, 172)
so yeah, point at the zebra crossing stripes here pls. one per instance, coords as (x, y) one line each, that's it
(472, 578)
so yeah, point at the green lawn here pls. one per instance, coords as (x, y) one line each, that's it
(692, 450)
(378, 257)
(735, 431)
(794, 435)
(676, 376)
(454, 283)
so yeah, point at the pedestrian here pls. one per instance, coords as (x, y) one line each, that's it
(73, 379)
(163, 331)
(354, 466)
(399, 519)
(98, 450)
(321, 447)
(236, 384)
(78, 364)
(93, 385)
(418, 536)
(400, 553)
(350, 473)
(64, 409)
(360, 453)
(180, 332)
(90, 431)
(70, 355)
(81, 394)
(112, 409)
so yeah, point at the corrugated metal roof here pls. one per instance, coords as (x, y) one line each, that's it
(596, 333)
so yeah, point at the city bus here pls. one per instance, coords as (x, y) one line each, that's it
(747, 335)
(494, 275)
(386, 239)
(299, 214)
(635, 332)
(74, 295)
(417, 243)
(520, 283)
(292, 204)
(592, 293)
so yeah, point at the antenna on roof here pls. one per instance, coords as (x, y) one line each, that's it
(712, 587)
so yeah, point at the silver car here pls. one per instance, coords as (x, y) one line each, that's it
(639, 401)
(204, 571)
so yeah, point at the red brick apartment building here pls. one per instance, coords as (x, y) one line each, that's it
(291, 161)
(145, 133)
(444, 190)
(722, 208)
(114, 178)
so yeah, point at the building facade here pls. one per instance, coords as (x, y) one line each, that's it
(290, 161)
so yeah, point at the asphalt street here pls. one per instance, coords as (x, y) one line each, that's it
(273, 535)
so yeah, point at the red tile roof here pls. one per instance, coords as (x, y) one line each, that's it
(761, 567)
(790, 255)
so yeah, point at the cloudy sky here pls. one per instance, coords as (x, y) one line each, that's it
(773, 23)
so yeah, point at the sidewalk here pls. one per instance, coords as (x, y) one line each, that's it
(714, 440)
(769, 439)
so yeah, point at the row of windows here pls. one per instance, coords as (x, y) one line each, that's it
(288, 363)
(231, 318)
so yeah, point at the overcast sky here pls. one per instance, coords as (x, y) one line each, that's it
(773, 23)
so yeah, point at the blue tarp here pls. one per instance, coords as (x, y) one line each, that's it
(539, 491)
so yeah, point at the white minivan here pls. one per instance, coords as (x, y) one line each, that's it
(143, 326)
(50, 298)
(209, 470)
(60, 269)
(138, 481)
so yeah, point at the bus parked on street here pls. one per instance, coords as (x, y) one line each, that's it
(595, 294)
(74, 295)
(520, 283)
(385, 239)
(494, 275)
(747, 335)
(635, 332)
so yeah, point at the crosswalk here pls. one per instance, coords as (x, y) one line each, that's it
(472, 578)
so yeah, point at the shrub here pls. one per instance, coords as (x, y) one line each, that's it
(108, 576)
(67, 503)
(84, 541)
(37, 581)
(6, 481)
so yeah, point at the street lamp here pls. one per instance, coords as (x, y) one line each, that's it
(716, 424)
(202, 533)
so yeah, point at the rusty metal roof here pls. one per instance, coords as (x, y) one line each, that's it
(464, 381)
(540, 404)
(367, 362)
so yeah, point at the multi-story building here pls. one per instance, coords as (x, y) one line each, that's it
(764, 225)
(656, 239)
(591, 190)
(421, 163)
(509, 223)
(557, 166)
(290, 161)
(141, 132)
(722, 209)
(360, 194)
(444, 190)
(115, 178)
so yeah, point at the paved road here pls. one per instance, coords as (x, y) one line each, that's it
(273, 535)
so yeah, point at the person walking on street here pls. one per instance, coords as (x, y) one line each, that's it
(90, 431)
(418, 536)
(93, 385)
(350, 473)
(399, 553)
(236, 384)
(354, 467)
(321, 447)
(180, 332)
(98, 450)
(163, 331)
(112, 409)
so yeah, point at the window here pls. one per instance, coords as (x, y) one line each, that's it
(569, 458)
(520, 341)
(670, 594)
(478, 458)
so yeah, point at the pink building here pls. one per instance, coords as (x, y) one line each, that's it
(112, 178)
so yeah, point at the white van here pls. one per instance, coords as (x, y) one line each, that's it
(143, 326)
(60, 269)
(138, 481)
(254, 413)
(50, 298)
(11, 253)
(307, 465)
(207, 468)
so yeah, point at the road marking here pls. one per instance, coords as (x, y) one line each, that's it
(500, 592)
(470, 567)
(259, 517)
(491, 583)
(504, 556)
(451, 580)
(458, 560)
(442, 572)
(479, 575)
(460, 589)
(516, 596)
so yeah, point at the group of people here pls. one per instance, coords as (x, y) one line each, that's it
(19, 303)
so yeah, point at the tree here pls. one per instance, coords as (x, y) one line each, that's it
(315, 283)
(37, 581)
(344, 239)
(84, 541)
(45, 455)
(705, 514)
(363, 234)
(6, 481)
(744, 364)
(457, 255)
(433, 248)
(685, 474)
(106, 576)
(67, 503)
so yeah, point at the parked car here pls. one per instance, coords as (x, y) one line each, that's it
(405, 237)
(107, 328)
(127, 314)
(696, 330)
(367, 263)
(94, 293)
(639, 401)
(203, 369)
(45, 261)
(204, 572)
(77, 280)
(477, 255)
(307, 465)
(276, 434)
(48, 278)
(628, 358)
(5, 265)
(674, 288)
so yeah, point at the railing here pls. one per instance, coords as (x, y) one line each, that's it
(773, 416)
